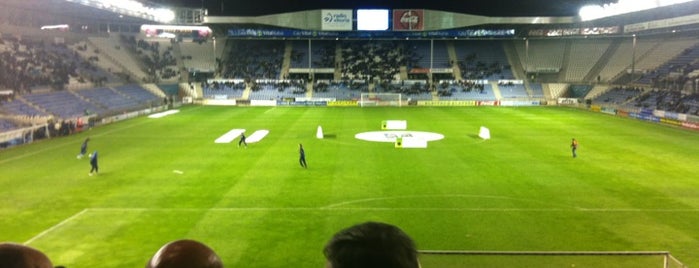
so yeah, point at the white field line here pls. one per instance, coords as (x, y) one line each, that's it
(257, 136)
(230, 135)
(475, 209)
(265, 209)
(59, 225)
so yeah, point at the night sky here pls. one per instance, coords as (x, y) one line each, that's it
(476, 7)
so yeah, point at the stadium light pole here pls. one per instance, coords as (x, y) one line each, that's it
(431, 61)
(526, 56)
(633, 56)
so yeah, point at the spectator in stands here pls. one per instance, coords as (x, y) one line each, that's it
(20, 256)
(371, 245)
(185, 254)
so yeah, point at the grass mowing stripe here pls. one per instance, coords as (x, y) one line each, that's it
(632, 187)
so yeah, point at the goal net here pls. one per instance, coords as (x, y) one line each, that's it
(380, 99)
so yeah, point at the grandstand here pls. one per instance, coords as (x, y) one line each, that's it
(57, 84)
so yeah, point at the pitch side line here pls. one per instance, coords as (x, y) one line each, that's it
(399, 209)
(60, 224)
(79, 214)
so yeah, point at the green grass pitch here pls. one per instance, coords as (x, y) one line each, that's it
(633, 187)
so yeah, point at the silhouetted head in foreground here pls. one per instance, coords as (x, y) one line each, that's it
(185, 254)
(20, 256)
(371, 245)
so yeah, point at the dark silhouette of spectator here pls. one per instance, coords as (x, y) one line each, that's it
(371, 245)
(20, 256)
(185, 254)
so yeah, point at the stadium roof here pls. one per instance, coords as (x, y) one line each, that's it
(505, 8)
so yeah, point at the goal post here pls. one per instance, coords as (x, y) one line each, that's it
(381, 99)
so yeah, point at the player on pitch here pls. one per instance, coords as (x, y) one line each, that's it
(574, 147)
(302, 156)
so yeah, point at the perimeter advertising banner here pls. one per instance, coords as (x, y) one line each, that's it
(408, 20)
(336, 20)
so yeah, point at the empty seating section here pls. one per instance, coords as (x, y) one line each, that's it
(543, 55)
(537, 90)
(513, 91)
(198, 56)
(621, 59)
(482, 60)
(63, 104)
(672, 56)
(136, 92)
(426, 54)
(556, 89)
(109, 99)
(579, 91)
(110, 47)
(584, 54)
(6, 124)
(18, 107)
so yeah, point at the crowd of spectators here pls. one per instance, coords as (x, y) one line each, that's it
(294, 86)
(215, 85)
(372, 59)
(323, 55)
(352, 85)
(413, 88)
(473, 68)
(446, 89)
(669, 100)
(618, 95)
(27, 64)
(253, 60)
(159, 62)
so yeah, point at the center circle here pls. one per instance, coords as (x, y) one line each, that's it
(390, 136)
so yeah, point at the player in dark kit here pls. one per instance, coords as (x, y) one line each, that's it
(93, 163)
(242, 140)
(302, 156)
(574, 147)
(83, 148)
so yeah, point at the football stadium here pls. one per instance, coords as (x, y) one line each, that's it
(490, 140)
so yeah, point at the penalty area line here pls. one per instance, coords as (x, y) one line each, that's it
(59, 225)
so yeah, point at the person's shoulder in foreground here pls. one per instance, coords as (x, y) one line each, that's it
(20, 256)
